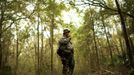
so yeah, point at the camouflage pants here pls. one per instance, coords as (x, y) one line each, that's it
(68, 65)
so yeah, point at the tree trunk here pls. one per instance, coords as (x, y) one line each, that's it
(35, 65)
(132, 45)
(1, 42)
(41, 53)
(133, 25)
(108, 42)
(131, 40)
(129, 51)
(96, 49)
(52, 35)
(1, 24)
(123, 52)
(17, 52)
(2, 10)
(101, 55)
(38, 49)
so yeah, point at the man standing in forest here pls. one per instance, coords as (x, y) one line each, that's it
(66, 53)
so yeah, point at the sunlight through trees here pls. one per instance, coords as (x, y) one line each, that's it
(102, 33)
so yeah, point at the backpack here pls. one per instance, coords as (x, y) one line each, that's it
(60, 50)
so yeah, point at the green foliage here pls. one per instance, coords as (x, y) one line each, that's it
(21, 23)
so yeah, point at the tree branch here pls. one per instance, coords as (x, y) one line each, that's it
(103, 5)
(13, 21)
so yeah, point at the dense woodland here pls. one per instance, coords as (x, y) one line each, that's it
(103, 40)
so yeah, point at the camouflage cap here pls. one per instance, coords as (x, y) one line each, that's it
(66, 31)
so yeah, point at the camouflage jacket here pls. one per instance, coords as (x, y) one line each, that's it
(65, 46)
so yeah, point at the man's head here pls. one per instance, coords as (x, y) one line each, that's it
(66, 32)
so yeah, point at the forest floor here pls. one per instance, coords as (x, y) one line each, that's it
(115, 71)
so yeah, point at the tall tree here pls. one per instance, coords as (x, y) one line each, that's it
(17, 51)
(2, 7)
(93, 18)
(129, 51)
(52, 35)
(95, 45)
(108, 42)
(38, 48)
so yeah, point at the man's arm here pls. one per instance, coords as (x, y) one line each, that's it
(64, 41)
